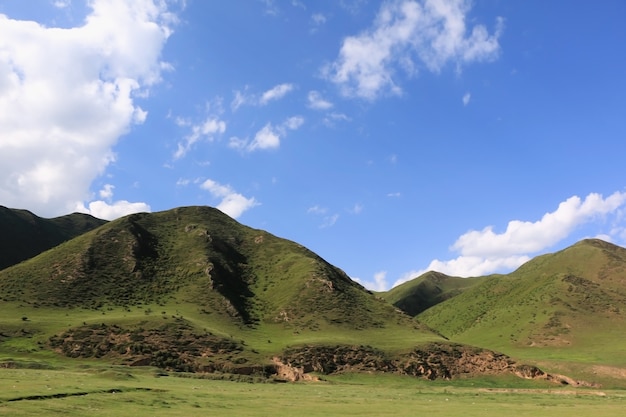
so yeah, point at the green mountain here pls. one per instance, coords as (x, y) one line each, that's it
(190, 288)
(427, 290)
(24, 235)
(565, 306)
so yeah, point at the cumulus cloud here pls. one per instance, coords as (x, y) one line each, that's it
(67, 96)
(231, 202)
(529, 237)
(485, 251)
(407, 35)
(315, 101)
(108, 209)
(378, 283)
(268, 137)
(111, 211)
(207, 130)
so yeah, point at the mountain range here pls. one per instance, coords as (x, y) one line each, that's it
(191, 289)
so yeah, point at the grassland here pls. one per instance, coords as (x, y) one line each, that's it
(113, 391)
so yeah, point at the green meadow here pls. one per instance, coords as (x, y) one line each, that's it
(114, 391)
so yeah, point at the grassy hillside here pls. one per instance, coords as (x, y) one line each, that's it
(427, 290)
(569, 306)
(24, 235)
(127, 290)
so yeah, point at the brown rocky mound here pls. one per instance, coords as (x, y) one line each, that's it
(173, 346)
(179, 347)
(432, 361)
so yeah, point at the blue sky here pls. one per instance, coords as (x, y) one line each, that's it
(389, 137)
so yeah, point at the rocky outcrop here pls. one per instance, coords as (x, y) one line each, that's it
(432, 361)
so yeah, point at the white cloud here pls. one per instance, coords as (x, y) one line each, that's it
(433, 32)
(250, 99)
(266, 138)
(466, 98)
(378, 283)
(241, 98)
(67, 96)
(269, 136)
(317, 210)
(317, 102)
(231, 203)
(332, 118)
(206, 130)
(62, 4)
(529, 237)
(329, 221)
(107, 192)
(484, 252)
(317, 21)
(106, 211)
(275, 93)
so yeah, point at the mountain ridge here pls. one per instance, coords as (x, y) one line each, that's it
(25, 234)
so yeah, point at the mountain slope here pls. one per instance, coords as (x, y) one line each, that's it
(24, 235)
(569, 305)
(199, 255)
(153, 282)
(427, 290)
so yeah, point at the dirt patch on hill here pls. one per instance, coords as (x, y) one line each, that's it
(432, 361)
(173, 346)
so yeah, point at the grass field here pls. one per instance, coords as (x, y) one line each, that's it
(115, 391)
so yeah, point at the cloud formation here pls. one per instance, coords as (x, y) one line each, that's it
(484, 251)
(108, 209)
(208, 130)
(315, 101)
(231, 202)
(268, 137)
(273, 94)
(67, 96)
(407, 35)
(378, 283)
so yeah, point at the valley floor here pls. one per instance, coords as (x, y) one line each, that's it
(108, 391)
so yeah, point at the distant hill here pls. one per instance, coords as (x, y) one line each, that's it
(24, 235)
(427, 290)
(570, 304)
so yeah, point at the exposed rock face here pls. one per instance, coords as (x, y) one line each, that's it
(174, 346)
(433, 361)
(177, 347)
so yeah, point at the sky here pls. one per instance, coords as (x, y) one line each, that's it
(389, 137)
